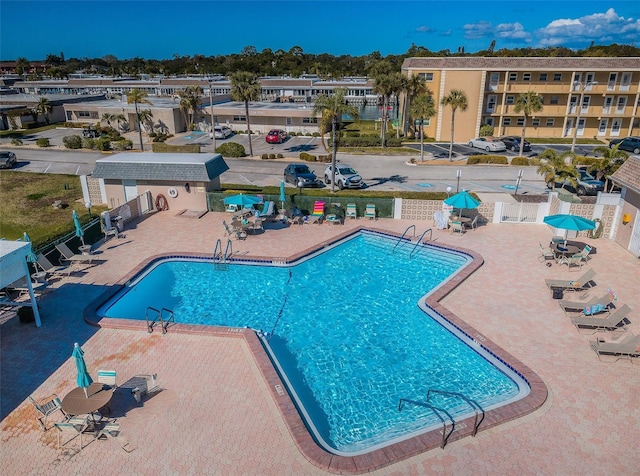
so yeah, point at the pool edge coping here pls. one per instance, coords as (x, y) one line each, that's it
(298, 430)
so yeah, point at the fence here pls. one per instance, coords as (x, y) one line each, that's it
(519, 212)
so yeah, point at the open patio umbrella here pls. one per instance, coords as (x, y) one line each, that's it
(462, 200)
(569, 222)
(245, 201)
(79, 230)
(31, 257)
(84, 379)
(283, 195)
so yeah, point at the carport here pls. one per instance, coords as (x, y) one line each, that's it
(13, 263)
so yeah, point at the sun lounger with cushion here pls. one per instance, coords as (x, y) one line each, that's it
(623, 349)
(580, 284)
(614, 322)
(580, 306)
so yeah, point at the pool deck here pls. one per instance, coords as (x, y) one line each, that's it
(217, 412)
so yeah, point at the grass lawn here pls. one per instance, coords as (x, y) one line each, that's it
(26, 204)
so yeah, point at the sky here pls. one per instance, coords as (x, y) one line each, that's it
(161, 29)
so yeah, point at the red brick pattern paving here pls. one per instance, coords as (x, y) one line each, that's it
(220, 413)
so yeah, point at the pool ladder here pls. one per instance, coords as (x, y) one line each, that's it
(219, 259)
(164, 317)
(404, 239)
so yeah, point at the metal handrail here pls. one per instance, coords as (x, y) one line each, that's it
(403, 235)
(420, 240)
(471, 403)
(152, 322)
(164, 321)
(445, 436)
(228, 251)
(216, 257)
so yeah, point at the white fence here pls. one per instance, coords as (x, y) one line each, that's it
(519, 212)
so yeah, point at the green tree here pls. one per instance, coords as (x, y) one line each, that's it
(189, 101)
(422, 108)
(108, 118)
(528, 104)
(386, 84)
(456, 99)
(413, 86)
(22, 66)
(554, 168)
(138, 96)
(246, 88)
(44, 107)
(334, 107)
(146, 118)
(612, 159)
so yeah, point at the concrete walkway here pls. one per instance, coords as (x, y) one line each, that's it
(216, 415)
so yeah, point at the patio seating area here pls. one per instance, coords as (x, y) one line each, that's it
(175, 430)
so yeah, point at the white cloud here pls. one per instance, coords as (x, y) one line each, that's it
(607, 27)
(475, 31)
(514, 31)
(425, 29)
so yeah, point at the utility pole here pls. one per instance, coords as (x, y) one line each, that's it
(213, 132)
(583, 86)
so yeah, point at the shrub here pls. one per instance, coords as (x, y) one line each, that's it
(187, 148)
(351, 133)
(72, 142)
(265, 156)
(367, 142)
(152, 134)
(103, 143)
(280, 156)
(231, 149)
(88, 143)
(307, 157)
(124, 144)
(519, 161)
(487, 159)
(16, 141)
(42, 142)
(272, 156)
(486, 130)
(316, 134)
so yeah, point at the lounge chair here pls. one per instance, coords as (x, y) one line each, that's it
(46, 409)
(76, 426)
(110, 430)
(613, 322)
(352, 211)
(546, 253)
(21, 286)
(268, 210)
(580, 284)
(623, 349)
(67, 255)
(573, 307)
(370, 211)
(49, 268)
(318, 213)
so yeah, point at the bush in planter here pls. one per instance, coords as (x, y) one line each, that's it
(72, 142)
(43, 142)
(103, 143)
(272, 156)
(487, 159)
(88, 143)
(307, 157)
(265, 156)
(280, 156)
(16, 141)
(124, 144)
(231, 149)
(519, 161)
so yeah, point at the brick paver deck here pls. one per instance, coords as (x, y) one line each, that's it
(216, 413)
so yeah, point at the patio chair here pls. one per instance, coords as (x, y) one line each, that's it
(582, 283)
(473, 224)
(547, 253)
(67, 255)
(76, 426)
(46, 409)
(457, 227)
(49, 268)
(576, 260)
(585, 252)
(113, 231)
(615, 322)
(318, 213)
(236, 231)
(370, 211)
(110, 430)
(352, 211)
(573, 307)
(626, 348)
(108, 378)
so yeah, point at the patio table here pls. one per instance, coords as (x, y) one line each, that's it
(76, 403)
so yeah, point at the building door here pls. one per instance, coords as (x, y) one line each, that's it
(130, 189)
(602, 127)
(634, 244)
(567, 127)
(581, 124)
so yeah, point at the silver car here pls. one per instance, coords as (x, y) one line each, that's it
(7, 159)
(488, 144)
(222, 132)
(346, 177)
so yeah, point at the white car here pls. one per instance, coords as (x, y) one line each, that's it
(222, 132)
(488, 144)
(346, 177)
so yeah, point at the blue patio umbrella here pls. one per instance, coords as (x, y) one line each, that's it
(462, 200)
(31, 257)
(245, 201)
(569, 222)
(84, 379)
(79, 230)
(283, 195)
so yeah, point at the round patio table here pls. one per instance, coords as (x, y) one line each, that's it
(76, 403)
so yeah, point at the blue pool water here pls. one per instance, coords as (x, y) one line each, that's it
(345, 330)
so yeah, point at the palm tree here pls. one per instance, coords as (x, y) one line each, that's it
(189, 101)
(138, 96)
(22, 66)
(527, 103)
(554, 168)
(335, 107)
(44, 107)
(457, 99)
(422, 108)
(108, 118)
(121, 120)
(612, 159)
(413, 86)
(146, 118)
(245, 87)
(385, 84)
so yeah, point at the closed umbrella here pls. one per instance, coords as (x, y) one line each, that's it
(31, 257)
(245, 201)
(283, 195)
(79, 230)
(84, 379)
(462, 200)
(569, 222)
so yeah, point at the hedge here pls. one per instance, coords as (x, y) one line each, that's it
(308, 157)
(487, 159)
(520, 161)
(368, 142)
(231, 149)
(188, 148)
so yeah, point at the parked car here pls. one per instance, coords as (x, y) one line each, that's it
(630, 144)
(301, 174)
(7, 159)
(90, 132)
(222, 132)
(346, 176)
(489, 144)
(513, 143)
(276, 136)
(587, 185)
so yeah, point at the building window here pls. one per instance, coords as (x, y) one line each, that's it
(557, 76)
(511, 99)
(553, 100)
(239, 118)
(309, 120)
(506, 121)
(543, 76)
(550, 122)
(513, 76)
(536, 122)
(520, 121)
(622, 103)
(526, 76)
(288, 121)
(426, 76)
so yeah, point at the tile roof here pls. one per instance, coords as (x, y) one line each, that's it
(157, 166)
(524, 63)
(628, 175)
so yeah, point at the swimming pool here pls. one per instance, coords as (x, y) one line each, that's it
(344, 328)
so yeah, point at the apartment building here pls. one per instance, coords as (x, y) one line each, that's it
(589, 97)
